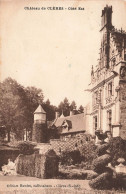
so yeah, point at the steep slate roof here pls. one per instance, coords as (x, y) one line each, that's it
(78, 123)
(39, 110)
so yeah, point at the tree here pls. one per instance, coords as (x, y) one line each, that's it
(17, 105)
(11, 106)
(73, 105)
(47, 102)
(50, 110)
(81, 109)
(64, 107)
(60, 107)
(33, 97)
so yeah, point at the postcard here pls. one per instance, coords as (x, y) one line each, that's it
(62, 96)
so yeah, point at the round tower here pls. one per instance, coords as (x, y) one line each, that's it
(39, 126)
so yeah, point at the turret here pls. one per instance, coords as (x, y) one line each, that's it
(39, 115)
(39, 126)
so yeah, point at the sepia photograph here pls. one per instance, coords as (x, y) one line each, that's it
(62, 96)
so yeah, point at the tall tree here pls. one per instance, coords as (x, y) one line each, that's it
(50, 110)
(33, 97)
(11, 106)
(17, 105)
(47, 102)
(81, 109)
(73, 105)
(64, 107)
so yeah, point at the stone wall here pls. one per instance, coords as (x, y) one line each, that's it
(123, 109)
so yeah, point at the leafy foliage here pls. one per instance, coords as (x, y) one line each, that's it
(73, 105)
(25, 165)
(117, 149)
(39, 132)
(100, 162)
(81, 109)
(26, 147)
(18, 103)
(102, 149)
(50, 110)
(88, 151)
(12, 110)
(70, 157)
(65, 107)
(103, 181)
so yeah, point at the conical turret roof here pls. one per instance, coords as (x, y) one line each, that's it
(40, 110)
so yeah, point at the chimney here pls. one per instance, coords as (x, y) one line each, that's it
(56, 115)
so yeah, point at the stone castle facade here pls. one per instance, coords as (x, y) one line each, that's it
(108, 81)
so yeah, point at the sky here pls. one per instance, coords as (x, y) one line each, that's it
(54, 49)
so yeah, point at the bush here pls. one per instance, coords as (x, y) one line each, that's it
(92, 175)
(119, 183)
(25, 165)
(117, 149)
(102, 149)
(85, 165)
(26, 147)
(70, 157)
(88, 152)
(100, 163)
(103, 181)
(76, 175)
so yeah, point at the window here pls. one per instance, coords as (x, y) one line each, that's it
(110, 89)
(109, 119)
(95, 123)
(95, 97)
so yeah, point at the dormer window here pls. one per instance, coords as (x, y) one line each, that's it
(66, 125)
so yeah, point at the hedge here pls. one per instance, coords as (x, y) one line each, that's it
(102, 149)
(117, 149)
(26, 147)
(100, 163)
(88, 152)
(70, 157)
(103, 181)
(25, 165)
